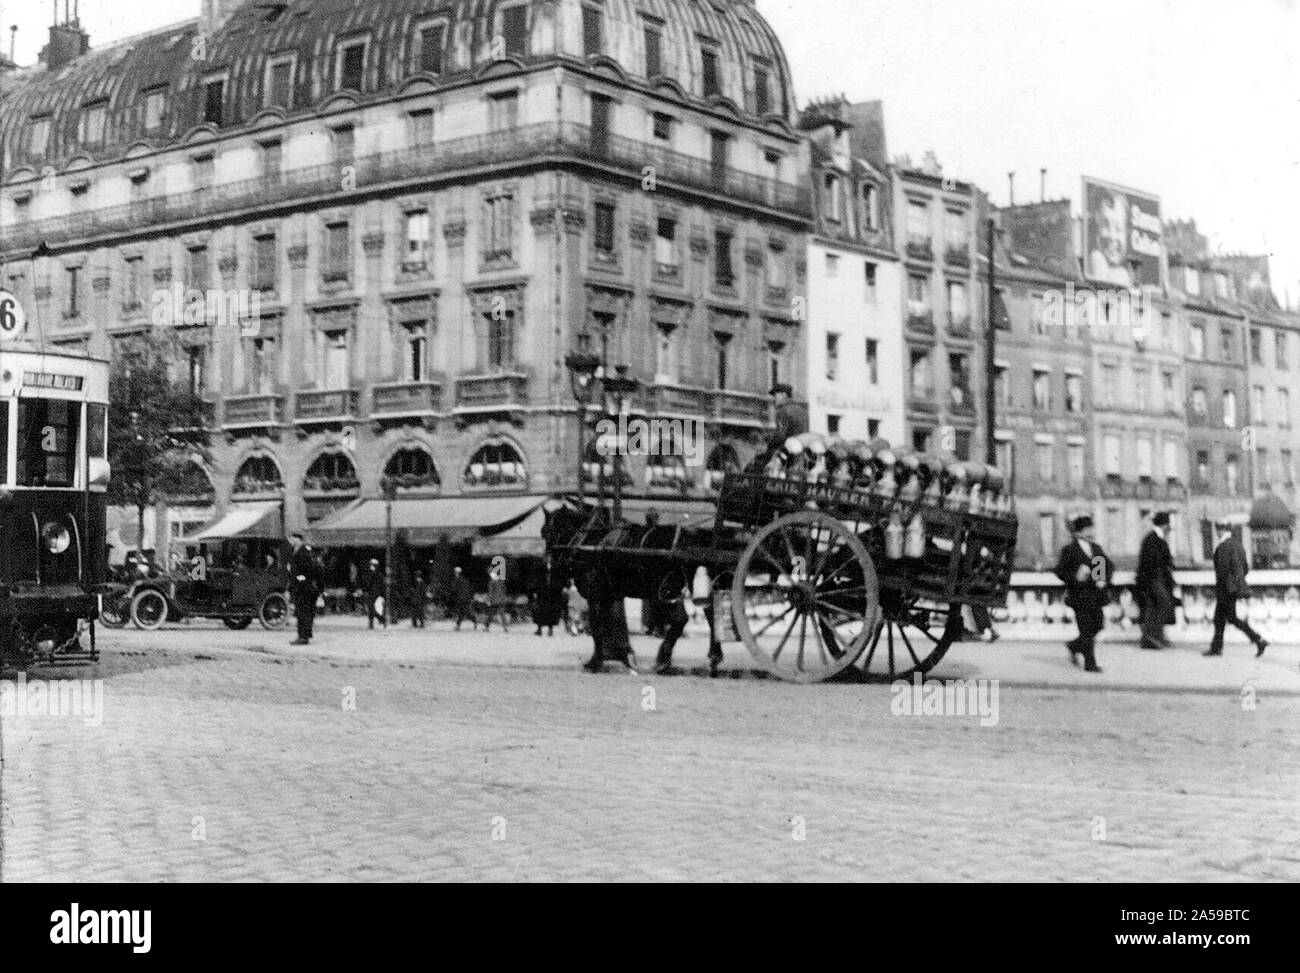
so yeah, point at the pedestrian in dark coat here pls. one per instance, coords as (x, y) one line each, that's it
(462, 599)
(1154, 584)
(1086, 572)
(1230, 567)
(304, 586)
(607, 622)
(548, 601)
(374, 588)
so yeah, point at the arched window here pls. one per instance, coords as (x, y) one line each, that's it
(591, 467)
(721, 461)
(187, 482)
(259, 474)
(412, 467)
(497, 465)
(331, 472)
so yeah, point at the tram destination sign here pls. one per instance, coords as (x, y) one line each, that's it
(49, 380)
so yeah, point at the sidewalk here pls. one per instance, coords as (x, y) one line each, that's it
(1013, 662)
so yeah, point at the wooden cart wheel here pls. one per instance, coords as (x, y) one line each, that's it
(914, 635)
(804, 597)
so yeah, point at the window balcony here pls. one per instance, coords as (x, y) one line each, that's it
(324, 406)
(678, 400)
(668, 273)
(520, 145)
(959, 326)
(920, 248)
(488, 393)
(396, 400)
(922, 321)
(957, 256)
(741, 408)
(248, 411)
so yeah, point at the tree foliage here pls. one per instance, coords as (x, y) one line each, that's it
(157, 426)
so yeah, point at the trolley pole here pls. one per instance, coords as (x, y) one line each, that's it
(990, 354)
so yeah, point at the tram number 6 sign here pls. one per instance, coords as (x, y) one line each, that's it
(13, 319)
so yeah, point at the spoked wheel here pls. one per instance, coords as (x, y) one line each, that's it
(273, 613)
(148, 609)
(804, 597)
(914, 636)
(116, 611)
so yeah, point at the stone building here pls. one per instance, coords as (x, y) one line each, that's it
(855, 289)
(1043, 387)
(1135, 460)
(404, 214)
(943, 356)
(1219, 443)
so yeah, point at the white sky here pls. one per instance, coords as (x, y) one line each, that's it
(1197, 101)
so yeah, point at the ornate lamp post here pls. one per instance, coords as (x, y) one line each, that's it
(582, 368)
(618, 388)
(389, 487)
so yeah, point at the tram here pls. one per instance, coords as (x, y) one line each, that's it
(54, 476)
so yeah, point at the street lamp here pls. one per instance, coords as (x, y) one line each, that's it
(389, 486)
(618, 388)
(582, 366)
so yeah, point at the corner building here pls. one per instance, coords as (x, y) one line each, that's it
(433, 203)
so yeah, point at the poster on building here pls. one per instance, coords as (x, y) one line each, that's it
(1122, 234)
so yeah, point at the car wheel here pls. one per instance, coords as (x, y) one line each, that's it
(114, 613)
(273, 613)
(148, 609)
(238, 624)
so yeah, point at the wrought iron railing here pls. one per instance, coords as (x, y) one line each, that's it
(524, 143)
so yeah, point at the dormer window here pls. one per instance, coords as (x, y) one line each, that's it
(593, 30)
(92, 124)
(654, 40)
(214, 98)
(762, 90)
(279, 83)
(870, 207)
(709, 71)
(431, 40)
(38, 136)
(514, 28)
(350, 68)
(155, 105)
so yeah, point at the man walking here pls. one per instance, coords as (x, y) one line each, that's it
(1230, 567)
(304, 586)
(462, 599)
(374, 587)
(1154, 584)
(1085, 570)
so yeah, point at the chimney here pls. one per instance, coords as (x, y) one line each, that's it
(67, 42)
(214, 13)
(1011, 189)
(1042, 185)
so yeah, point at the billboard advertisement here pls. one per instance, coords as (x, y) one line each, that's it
(1122, 234)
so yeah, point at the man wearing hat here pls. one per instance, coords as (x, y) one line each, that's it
(304, 586)
(1154, 584)
(791, 420)
(374, 588)
(1085, 570)
(1230, 567)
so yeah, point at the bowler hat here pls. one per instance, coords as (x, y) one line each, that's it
(1161, 519)
(1079, 524)
(780, 387)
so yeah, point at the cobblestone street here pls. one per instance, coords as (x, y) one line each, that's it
(245, 763)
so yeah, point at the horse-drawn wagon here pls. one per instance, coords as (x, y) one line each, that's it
(832, 555)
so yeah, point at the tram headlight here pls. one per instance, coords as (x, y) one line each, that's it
(56, 537)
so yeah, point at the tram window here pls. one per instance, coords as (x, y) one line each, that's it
(47, 442)
(4, 442)
(97, 431)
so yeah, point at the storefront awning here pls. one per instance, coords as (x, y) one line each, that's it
(246, 521)
(425, 520)
(523, 539)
